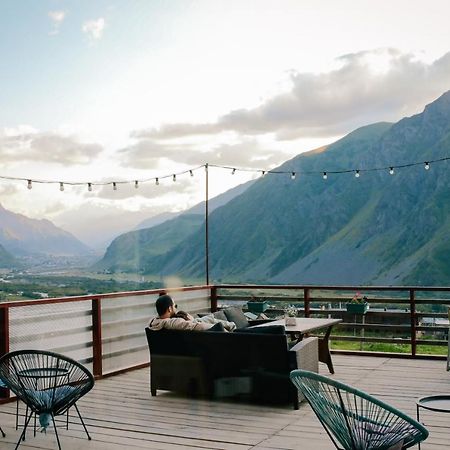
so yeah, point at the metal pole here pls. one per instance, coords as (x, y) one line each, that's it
(206, 224)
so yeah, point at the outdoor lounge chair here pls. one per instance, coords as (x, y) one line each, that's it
(48, 383)
(354, 419)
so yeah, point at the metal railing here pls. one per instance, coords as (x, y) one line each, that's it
(402, 316)
(105, 331)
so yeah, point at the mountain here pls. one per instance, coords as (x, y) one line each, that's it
(375, 229)
(131, 251)
(6, 259)
(22, 236)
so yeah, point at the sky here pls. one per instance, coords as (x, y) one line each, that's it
(119, 90)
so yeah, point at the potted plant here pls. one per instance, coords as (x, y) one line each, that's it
(290, 313)
(257, 305)
(358, 304)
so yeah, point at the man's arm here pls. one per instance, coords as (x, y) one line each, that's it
(177, 323)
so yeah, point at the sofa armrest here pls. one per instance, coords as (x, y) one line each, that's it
(307, 354)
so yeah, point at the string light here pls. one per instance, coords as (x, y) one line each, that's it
(391, 170)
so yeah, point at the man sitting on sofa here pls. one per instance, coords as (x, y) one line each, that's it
(170, 319)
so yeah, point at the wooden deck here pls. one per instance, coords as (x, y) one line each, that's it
(121, 414)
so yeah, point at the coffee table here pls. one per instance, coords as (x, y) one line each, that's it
(304, 326)
(438, 403)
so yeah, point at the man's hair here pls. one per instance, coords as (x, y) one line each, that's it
(163, 303)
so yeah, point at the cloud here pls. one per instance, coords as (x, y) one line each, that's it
(57, 18)
(147, 153)
(94, 28)
(365, 87)
(20, 145)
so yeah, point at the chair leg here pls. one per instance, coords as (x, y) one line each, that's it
(56, 431)
(27, 421)
(82, 421)
(1, 431)
(17, 413)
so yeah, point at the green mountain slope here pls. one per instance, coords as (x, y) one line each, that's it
(131, 252)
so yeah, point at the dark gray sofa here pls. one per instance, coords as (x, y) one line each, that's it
(250, 364)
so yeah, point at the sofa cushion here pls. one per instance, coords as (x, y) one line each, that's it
(269, 329)
(237, 316)
(217, 327)
(220, 315)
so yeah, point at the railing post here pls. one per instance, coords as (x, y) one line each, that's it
(4, 341)
(213, 299)
(306, 302)
(97, 337)
(412, 307)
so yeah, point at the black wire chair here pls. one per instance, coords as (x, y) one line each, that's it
(355, 419)
(48, 383)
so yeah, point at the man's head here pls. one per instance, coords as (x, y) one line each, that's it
(165, 306)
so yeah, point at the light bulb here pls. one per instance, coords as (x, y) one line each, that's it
(136, 184)
(427, 166)
(357, 174)
(391, 171)
(157, 182)
(90, 187)
(29, 185)
(293, 176)
(114, 186)
(61, 186)
(325, 176)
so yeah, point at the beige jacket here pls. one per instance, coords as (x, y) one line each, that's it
(199, 324)
(177, 323)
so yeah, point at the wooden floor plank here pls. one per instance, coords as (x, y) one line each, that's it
(121, 413)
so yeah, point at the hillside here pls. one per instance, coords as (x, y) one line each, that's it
(131, 252)
(6, 259)
(23, 236)
(375, 229)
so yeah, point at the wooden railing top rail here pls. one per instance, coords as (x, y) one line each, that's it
(331, 287)
(81, 298)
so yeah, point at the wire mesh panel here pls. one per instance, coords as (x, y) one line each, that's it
(125, 318)
(64, 328)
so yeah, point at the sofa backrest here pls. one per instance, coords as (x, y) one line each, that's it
(224, 353)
